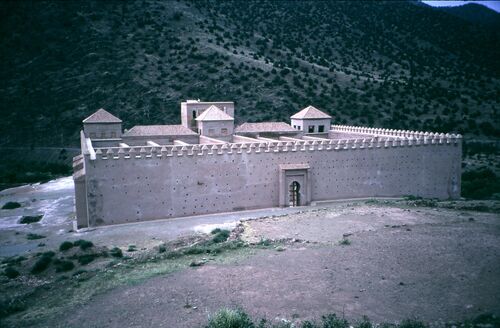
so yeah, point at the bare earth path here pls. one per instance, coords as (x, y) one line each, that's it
(427, 263)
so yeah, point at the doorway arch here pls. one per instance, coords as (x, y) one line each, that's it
(294, 191)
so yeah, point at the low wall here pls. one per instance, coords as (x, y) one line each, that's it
(144, 183)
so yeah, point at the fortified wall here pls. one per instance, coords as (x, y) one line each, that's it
(137, 183)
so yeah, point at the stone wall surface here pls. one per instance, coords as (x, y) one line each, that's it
(145, 183)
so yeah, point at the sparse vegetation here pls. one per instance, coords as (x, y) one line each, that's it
(13, 171)
(264, 242)
(11, 205)
(162, 248)
(13, 260)
(412, 323)
(345, 242)
(30, 219)
(34, 236)
(132, 248)
(237, 318)
(419, 201)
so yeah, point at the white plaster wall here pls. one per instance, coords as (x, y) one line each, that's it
(304, 124)
(217, 126)
(161, 186)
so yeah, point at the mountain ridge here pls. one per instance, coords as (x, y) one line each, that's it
(475, 13)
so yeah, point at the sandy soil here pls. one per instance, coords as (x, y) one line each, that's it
(431, 264)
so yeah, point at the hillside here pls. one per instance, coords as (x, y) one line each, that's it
(391, 64)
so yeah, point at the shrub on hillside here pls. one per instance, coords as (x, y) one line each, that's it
(43, 262)
(220, 236)
(11, 205)
(86, 258)
(64, 265)
(116, 252)
(65, 246)
(84, 244)
(11, 273)
(11, 305)
(28, 219)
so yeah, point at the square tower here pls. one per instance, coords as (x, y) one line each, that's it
(192, 109)
(311, 120)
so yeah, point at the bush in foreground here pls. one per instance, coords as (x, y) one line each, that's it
(227, 318)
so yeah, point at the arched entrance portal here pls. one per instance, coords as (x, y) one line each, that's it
(295, 185)
(294, 190)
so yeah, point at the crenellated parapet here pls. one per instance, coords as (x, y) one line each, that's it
(424, 137)
(380, 141)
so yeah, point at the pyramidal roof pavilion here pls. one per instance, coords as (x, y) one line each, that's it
(213, 113)
(310, 112)
(102, 116)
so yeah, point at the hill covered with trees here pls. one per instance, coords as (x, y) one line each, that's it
(383, 64)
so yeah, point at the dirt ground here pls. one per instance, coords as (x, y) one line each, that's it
(433, 264)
